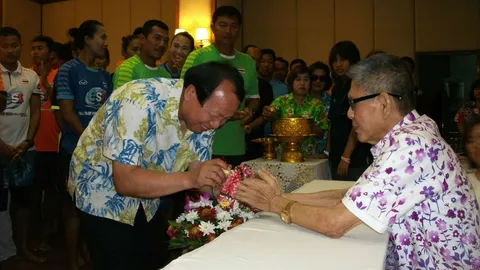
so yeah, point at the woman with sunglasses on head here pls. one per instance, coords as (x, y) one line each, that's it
(321, 83)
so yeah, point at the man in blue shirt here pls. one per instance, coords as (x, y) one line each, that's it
(265, 71)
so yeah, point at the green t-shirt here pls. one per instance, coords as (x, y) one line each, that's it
(133, 69)
(311, 108)
(229, 140)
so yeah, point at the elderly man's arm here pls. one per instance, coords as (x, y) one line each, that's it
(322, 198)
(332, 221)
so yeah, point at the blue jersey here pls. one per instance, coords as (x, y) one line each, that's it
(88, 88)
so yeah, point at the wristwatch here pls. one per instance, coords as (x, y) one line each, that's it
(285, 215)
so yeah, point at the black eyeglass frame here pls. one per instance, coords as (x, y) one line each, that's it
(352, 102)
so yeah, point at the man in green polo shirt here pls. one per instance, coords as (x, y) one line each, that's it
(229, 140)
(143, 66)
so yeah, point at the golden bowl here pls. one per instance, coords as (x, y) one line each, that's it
(295, 127)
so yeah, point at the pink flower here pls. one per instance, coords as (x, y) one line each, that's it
(356, 192)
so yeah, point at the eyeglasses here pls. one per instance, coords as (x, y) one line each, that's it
(352, 102)
(321, 78)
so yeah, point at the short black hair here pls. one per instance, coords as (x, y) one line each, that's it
(87, 28)
(245, 49)
(138, 31)
(325, 68)
(148, 25)
(268, 52)
(346, 50)
(63, 51)
(8, 31)
(297, 61)
(126, 41)
(47, 40)
(227, 11)
(292, 75)
(283, 60)
(189, 37)
(410, 61)
(207, 76)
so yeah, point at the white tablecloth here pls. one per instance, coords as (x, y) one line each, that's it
(292, 176)
(267, 243)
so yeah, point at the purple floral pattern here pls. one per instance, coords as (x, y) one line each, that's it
(417, 191)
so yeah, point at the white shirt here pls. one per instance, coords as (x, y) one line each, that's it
(20, 85)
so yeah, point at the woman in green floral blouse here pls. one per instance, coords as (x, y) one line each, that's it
(300, 104)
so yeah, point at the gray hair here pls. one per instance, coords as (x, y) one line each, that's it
(385, 73)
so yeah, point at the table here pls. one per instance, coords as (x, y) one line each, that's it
(267, 243)
(292, 176)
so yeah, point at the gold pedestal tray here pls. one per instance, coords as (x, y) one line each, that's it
(291, 132)
(268, 147)
(291, 147)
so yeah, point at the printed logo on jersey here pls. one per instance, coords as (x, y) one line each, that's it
(241, 70)
(43, 97)
(95, 98)
(83, 82)
(14, 100)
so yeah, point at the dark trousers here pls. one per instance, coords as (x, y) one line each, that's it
(115, 245)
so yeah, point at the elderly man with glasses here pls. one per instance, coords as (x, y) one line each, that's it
(415, 189)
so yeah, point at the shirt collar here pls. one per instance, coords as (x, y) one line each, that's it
(389, 139)
(17, 71)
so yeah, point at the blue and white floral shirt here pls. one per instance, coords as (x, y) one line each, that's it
(417, 191)
(137, 126)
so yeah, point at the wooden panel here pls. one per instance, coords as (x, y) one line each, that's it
(144, 10)
(239, 5)
(27, 29)
(116, 29)
(87, 10)
(268, 27)
(444, 25)
(395, 27)
(315, 33)
(169, 14)
(354, 21)
(57, 19)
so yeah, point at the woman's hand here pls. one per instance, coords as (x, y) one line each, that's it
(342, 169)
(259, 193)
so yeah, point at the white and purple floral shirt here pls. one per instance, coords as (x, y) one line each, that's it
(417, 191)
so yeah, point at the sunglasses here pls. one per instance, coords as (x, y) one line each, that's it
(352, 102)
(322, 78)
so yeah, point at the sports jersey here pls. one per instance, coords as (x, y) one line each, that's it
(133, 69)
(20, 85)
(88, 88)
(46, 139)
(229, 140)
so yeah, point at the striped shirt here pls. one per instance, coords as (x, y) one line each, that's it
(133, 69)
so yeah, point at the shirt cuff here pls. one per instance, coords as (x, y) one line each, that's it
(364, 216)
(253, 96)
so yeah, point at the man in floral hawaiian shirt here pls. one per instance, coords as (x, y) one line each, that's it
(136, 149)
(415, 189)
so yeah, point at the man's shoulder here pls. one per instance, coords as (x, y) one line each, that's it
(145, 91)
(206, 54)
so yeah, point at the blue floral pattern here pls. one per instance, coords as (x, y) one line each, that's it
(417, 191)
(137, 126)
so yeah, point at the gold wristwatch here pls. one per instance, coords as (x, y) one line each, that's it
(285, 215)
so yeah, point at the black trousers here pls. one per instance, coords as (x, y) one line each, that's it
(115, 245)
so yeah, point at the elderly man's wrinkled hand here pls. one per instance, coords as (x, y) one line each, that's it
(259, 193)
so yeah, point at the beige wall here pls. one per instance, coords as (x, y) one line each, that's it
(28, 24)
(309, 28)
(120, 18)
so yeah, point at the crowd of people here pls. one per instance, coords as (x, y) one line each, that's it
(106, 157)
